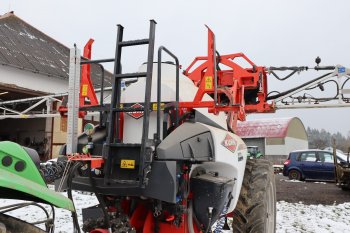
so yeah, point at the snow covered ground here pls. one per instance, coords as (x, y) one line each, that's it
(291, 218)
(313, 218)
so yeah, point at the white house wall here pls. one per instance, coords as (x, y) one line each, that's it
(295, 144)
(33, 81)
(290, 145)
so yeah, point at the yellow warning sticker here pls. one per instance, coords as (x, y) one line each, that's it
(208, 82)
(84, 90)
(127, 163)
(155, 106)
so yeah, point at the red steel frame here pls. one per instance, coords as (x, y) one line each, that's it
(87, 91)
(233, 83)
(86, 87)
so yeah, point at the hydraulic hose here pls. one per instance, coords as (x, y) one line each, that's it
(296, 88)
(69, 192)
(210, 215)
(101, 201)
(221, 222)
(190, 217)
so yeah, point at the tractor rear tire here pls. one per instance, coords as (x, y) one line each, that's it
(256, 207)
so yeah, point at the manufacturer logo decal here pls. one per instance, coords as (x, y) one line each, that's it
(136, 114)
(229, 143)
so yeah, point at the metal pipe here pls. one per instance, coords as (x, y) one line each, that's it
(159, 89)
(33, 98)
(313, 105)
(97, 61)
(215, 74)
(335, 159)
(29, 116)
(102, 89)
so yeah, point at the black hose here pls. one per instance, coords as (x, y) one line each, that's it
(342, 87)
(296, 88)
(100, 200)
(209, 225)
(294, 70)
(69, 192)
(273, 92)
(53, 218)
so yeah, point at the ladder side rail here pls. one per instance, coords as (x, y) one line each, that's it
(144, 152)
(115, 98)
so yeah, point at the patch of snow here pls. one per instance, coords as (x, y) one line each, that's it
(8, 27)
(292, 181)
(25, 33)
(63, 62)
(291, 217)
(312, 218)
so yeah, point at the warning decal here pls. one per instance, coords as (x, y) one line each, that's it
(84, 90)
(208, 82)
(127, 163)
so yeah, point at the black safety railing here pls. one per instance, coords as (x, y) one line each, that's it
(159, 89)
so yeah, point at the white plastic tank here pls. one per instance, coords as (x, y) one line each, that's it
(135, 93)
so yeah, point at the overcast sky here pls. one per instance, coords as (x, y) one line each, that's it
(269, 32)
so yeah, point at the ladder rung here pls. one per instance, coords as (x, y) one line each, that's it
(126, 182)
(125, 145)
(128, 109)
(132, 75)
(133, 42)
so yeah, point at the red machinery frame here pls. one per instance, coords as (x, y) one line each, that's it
(86, 88)
(87, 96)
(233, 84)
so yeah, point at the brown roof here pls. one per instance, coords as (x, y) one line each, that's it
(24, 47)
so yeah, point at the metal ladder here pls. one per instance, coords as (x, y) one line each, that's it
(113, 149)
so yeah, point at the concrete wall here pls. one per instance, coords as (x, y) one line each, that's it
(279, 153)
(33, 81)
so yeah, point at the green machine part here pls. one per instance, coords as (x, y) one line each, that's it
(20, 178)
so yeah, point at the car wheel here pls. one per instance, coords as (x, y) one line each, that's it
(294, 175)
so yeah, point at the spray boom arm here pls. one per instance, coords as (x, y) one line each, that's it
(239, 91)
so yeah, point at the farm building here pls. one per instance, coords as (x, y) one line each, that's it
(33, 64)
(274, 137)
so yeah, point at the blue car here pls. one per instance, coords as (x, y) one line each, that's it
(311, 164)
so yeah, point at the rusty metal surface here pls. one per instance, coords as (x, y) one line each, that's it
(24, 47)
(263, 128)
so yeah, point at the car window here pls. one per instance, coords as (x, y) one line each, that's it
(308, 156)
(328, 158)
